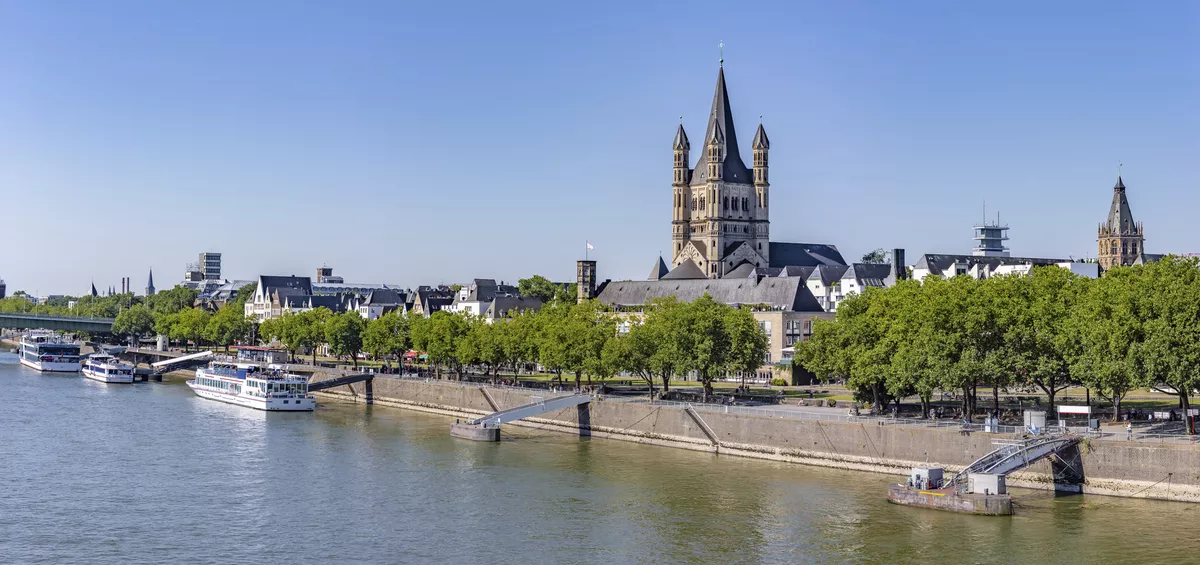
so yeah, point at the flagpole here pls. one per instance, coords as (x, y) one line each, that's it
(585, 250)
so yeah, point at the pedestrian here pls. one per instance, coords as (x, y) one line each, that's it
(1129, 428)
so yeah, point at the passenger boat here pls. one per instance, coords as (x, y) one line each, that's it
(253, 385)
(107, 369)
(47, 351)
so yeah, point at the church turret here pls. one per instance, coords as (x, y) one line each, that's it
(762, 190)
(680, 193)
(150, 284)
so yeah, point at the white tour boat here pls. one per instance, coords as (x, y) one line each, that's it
(107, 369)
(253, 385)
(47, 351)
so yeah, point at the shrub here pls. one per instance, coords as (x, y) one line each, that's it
(778, 382)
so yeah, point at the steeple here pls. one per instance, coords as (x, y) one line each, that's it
(681, 140)
(1120, 218)
(760, 138)
(720, 127)
(150, 284)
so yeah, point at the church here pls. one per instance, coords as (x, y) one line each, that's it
(721, 208)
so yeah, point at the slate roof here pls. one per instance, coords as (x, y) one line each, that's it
(504, 306)
(760, 139)
(868, 274)
(782, 293)
(720, 124)
(743, 271)
(384, 297)
(268, 284)
(681, 140)
(827, 274)
(685, 270)
(659, 270)
(1144, 258)
(803, 254)
(1120, 218)
(936, 263)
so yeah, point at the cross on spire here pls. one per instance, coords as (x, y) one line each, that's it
(721, 46)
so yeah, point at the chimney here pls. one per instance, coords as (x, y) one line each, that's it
(898, 271)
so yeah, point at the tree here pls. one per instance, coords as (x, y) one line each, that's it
(1167, 300)
(386, 336)
(439, 338)
(1110, 333)
(244, 294)
(538, 287)
(309, 329)
(134, 322)
(344, 334)
(171, 301)
(748, 344)
(482, 344)
(191, 324)
(876, 256)
(228, 326)
(707, 339)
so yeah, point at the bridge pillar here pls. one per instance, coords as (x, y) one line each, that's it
(475, 432)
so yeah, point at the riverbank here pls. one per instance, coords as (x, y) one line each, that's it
(1115, 468)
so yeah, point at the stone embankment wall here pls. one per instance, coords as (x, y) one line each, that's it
(1116, 468)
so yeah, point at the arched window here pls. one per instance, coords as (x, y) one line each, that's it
(726, 203)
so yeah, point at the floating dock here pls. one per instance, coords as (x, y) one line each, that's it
(949, 499)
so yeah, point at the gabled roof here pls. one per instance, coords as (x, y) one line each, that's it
(1120, 218)
(936, 263)
(827, 273)
(504, 306)
(743, 271)
(685, 270)
(781, 293)
(384, 297)
(868, 274)
(803, 254)
(659, 269)
(267, 284)
(720, 124)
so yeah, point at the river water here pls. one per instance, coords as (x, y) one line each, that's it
(148, 473)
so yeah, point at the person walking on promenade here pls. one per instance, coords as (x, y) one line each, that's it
(1129, 428)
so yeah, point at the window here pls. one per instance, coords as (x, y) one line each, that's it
(745, 204)
(726, 203)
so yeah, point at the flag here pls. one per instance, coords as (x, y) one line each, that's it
(589, 245)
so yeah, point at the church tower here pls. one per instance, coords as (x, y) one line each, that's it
(1119, 237)
(720, 219)
(680, 228)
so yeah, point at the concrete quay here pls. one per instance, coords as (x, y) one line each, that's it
(1116, 468)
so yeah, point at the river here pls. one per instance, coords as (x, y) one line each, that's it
(148, 473)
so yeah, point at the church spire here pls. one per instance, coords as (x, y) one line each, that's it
(150, 284)
(720, 127)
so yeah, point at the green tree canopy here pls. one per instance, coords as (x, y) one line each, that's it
(344, 334)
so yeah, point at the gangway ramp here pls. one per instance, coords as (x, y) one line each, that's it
(339, 381)
(184, 362)
(532, 409)
(1013, 456)
(487, 428)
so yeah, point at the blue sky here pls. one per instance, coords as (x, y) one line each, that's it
(436, 142)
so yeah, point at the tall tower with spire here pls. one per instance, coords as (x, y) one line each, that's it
(720, 206)
(150, 284)
(1119, 238)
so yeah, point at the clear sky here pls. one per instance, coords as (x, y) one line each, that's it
(439, 141)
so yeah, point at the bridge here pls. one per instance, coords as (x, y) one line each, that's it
(487, 428)
(16, 321)
(342, 381)
(1013, 456)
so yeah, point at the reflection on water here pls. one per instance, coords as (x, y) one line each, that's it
(148, 473)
